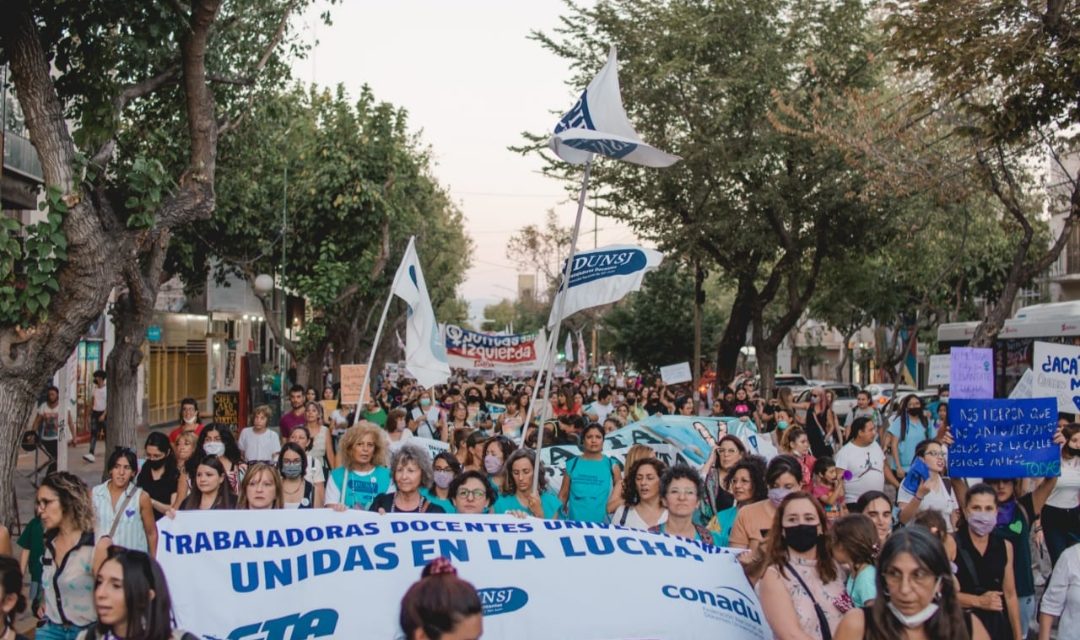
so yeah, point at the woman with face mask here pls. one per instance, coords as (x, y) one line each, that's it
(753, 523)
(802, 592)
(411, 469)
(932, 490)
(590, 480)
(496, 451)
(159, 476)
(642, 506)
(444, 469)
(984, 567)
(297, 492)
(123, 510)
(217, 440)
(917, 598)
(1061, 515)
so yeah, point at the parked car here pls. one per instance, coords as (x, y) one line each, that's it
(846, 395)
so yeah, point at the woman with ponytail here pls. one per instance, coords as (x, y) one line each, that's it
(441, 606)
(12, 602)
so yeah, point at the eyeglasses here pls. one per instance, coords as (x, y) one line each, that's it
(462, 494)
(687, 493)
(44, 503)
(920, 578)
(935, 454)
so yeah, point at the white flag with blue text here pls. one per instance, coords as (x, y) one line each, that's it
(602, 276)
(598, 124)
(568, 348)
(425, 353)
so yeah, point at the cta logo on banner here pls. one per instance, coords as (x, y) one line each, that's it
(317, 573)
(469, 349)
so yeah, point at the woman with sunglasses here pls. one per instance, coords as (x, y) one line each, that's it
(71, 557)
(123, 510)
(132, 600)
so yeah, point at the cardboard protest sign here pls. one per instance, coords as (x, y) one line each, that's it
(352, 379)
(971, 373)
(939, 370)
(1057, 374)
(676, 373)
(1004, 438)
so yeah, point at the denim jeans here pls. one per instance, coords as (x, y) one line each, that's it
(1027, 613)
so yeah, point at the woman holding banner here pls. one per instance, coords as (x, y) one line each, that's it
(723, 458)
(444, 469)
(472, 493)
(682, 488)
(802, 592)
(590, 479)
(518, 493)
(210, 489)
(411, 470)
(296, 491)
(1061, 515)
(642, 507)
(363, 474)
(261, 488)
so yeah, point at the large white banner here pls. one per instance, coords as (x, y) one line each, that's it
(292, 575)
(1057, 375)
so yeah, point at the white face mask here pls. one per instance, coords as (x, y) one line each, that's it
(214, 448)
(916, 619)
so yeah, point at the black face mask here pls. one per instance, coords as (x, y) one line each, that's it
(1072, 451)
(915, 411)
(631, 400)
(801, 537)
(155, 464)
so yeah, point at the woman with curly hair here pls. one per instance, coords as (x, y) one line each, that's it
(72, 557)
(411, 469)
(518, 492)
(363, 473)
(642, 507)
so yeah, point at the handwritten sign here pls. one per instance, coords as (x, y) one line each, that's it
(1004, 438)
(1057, 374)
(227, 408)
(352, 379)
(1023, 387)
(971, 373)
(676, 373)
(939, 370)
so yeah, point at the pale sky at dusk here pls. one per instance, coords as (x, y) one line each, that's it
(471, 81)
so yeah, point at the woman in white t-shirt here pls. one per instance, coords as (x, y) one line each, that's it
(933, 493)
(397, 430)
(863, 457)
(641, 508)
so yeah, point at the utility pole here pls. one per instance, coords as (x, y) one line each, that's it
(595, 340)
(699, 299)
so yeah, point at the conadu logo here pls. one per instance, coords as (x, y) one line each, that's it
(496, 600)
(731, 600)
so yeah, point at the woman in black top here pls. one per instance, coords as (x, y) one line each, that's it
(817, 424)
(159, 476)
(984, 567)
(410, 467)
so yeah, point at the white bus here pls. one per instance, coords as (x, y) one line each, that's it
(1055, 322)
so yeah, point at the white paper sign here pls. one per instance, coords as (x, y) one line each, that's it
(1057, 375)
(1023, 387)
(939, 370)
(676, 373)
(971, 373)
(317, 573)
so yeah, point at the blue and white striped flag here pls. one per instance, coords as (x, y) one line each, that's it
(597, 124)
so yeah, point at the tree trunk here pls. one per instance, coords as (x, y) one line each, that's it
(16, 406)
(734, 338)
(699, 300)
(845, 356)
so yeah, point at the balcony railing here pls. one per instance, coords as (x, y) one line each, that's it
(21, 156)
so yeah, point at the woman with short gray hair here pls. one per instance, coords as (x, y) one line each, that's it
(411, 470)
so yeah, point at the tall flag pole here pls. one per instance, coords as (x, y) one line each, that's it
(595, 125)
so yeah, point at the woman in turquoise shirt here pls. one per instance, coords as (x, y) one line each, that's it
(590, 479)
(363, 474)
(444, 469)
(682, 489)
(517, 490)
